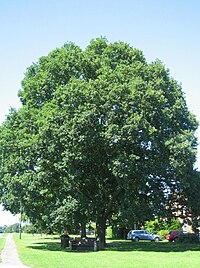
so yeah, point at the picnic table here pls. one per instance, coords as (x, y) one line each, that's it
(84, 244)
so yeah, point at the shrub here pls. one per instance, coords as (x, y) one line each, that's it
(158, 225)
(188, 238)
(175, 225)
(163, 233)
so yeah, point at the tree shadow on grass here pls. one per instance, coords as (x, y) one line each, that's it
(48, 246)
(47, 238)
(53, 246)
(124, 246)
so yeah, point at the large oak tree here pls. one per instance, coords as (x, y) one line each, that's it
(101, 132)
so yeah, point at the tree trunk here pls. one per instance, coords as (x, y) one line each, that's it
(83, 229)
(101, 231)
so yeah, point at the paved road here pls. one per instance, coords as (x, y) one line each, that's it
(9, 255)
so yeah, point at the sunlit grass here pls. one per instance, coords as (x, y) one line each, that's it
(2, 243)
(45, 252)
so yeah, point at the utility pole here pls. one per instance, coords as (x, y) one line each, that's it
(20, 221)
(20, 217)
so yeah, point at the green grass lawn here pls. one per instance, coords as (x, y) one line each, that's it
(2, 243)
(45, 252)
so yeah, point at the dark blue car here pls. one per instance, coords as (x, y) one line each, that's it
(137, 235)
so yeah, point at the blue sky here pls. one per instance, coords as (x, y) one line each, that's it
(167, 30)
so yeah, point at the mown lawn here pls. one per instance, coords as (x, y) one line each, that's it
(2, 243)
(45, 252)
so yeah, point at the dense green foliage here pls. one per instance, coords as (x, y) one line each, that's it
(159, 224)
(162, 227)
(13, 228)
(100, 133)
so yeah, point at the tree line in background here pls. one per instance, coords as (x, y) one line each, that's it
(102, 136)
(159, 226)
(13, 228)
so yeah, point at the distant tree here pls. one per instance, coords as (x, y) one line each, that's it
(14, 228)
(99, 125)
(30, 229)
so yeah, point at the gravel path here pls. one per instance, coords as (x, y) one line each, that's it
(9, 255)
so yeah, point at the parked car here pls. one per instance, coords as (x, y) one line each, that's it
(172, 236)
(137, 235)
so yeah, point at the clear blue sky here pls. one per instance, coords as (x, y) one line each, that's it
(167, 30)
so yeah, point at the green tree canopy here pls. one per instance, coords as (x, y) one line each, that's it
(101, 132)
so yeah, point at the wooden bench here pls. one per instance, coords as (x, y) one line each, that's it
(84, 244)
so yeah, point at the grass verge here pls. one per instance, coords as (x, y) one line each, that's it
(45, 252)
(2, 243)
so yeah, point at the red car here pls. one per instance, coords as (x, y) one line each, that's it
(172, 236)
